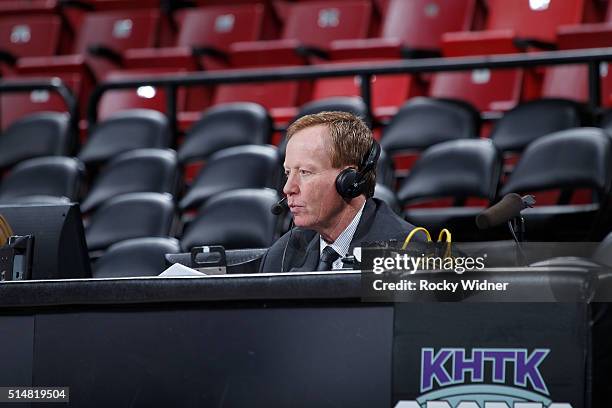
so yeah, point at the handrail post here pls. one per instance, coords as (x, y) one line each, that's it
(171, 92)
(71, 103)
(48, 84)
(92, 104)
(594, 85)
(366, 95)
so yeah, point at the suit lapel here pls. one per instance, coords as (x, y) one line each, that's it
(365, 224)
(306, 257)
(303, 251)
(307, 261)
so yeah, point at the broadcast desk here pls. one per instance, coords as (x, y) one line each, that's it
(278, 340)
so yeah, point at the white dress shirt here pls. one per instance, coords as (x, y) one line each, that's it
(343, 242)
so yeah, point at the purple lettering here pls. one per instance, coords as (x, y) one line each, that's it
(433, 367)
(463, 365)
(527, 368)
(499, 366)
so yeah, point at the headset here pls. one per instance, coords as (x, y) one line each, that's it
(350, 183)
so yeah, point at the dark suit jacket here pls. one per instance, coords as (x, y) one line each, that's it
(301, 246)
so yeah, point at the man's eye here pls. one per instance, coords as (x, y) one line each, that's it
(304, 172)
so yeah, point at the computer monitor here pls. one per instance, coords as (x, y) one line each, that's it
(60, 250)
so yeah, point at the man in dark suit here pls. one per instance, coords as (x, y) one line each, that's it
(330, 165)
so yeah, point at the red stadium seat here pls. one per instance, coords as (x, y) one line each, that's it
(28, 36)
(487, 90)
(514, 26)
(107, 5)
(145, 97)
(113, 31)
(272, 20)
(571, 81)
(566, 81)
(511, 26)
(202, 43)
(279, 98)
(388, 91)
(14, 106)
(207, 30)
(30, 6)
(586, 35)
(28, 29)
(196, 98)
(309, 25)
(410, 28)
(413, 26)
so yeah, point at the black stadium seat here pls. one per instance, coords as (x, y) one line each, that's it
(134, 215)
(566, 160)
(388, 196)
(140, 170)
(423, 122)
(531, 120)
(385, 170)
(225, 126)
(458, 169)
(39, 134)
(249, 166)
(236, 219)
(52, 177)
(603, 253)
(135, 257)
(606, 121)
(124, 131)
(351, 104)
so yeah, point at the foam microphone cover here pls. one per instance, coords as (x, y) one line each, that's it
(509, 207)
(276, 209)
(279, 207)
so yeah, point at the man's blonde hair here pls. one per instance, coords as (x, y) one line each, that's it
(350, 140)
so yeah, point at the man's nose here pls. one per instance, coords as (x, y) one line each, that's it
(291, 185)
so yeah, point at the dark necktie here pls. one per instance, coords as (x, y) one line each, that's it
(328, 256)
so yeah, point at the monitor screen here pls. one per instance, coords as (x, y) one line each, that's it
(60, 251)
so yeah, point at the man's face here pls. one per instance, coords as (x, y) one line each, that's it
(311, 180)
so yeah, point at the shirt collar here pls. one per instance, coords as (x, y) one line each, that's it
(342, 244)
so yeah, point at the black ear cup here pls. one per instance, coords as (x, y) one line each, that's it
(347, 183)
(350, 182)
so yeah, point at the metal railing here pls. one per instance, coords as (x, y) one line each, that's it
(592, 57)
(47, 84)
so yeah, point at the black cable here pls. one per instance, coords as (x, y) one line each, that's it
(286, 245)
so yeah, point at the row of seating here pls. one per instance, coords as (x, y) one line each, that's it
(575, 163)
(122, 44)
(135, 193)
(140, 170)
(147, 257)
(137, 222)
(419, 123)
(48, 133)
(460, 169)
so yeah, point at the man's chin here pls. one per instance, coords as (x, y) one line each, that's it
(301, 221)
